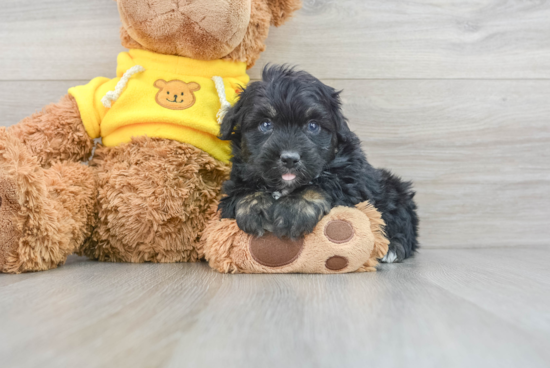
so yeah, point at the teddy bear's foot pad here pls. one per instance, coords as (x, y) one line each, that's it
(338, 232)
(271, 251)
(336, 263)
(9, 209)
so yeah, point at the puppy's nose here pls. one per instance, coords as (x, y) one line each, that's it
(290, 158)
(175, 97)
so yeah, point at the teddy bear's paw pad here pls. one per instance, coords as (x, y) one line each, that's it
(336, 263)
(9, 208)
(270, 251)
(339, 231)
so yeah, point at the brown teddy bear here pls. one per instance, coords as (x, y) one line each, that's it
(155, 180)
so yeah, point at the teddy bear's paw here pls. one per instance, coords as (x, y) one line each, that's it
(12, 159)
(9, 229)
(341, 242)
(36, 231)
(345, 240)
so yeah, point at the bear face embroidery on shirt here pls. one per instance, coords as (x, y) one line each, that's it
(175, 94)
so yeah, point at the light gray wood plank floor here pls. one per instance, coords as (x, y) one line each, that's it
(443, 308)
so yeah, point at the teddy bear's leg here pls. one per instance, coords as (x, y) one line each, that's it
(345, 240)
(55, 134)
(154, 197)
(45, 214)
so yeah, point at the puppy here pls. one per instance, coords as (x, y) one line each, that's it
(294, 158)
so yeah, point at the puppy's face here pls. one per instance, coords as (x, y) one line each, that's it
(285, 129)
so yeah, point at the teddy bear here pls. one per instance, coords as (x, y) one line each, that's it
(154, 181)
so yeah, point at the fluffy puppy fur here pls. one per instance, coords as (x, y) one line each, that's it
(294, 158)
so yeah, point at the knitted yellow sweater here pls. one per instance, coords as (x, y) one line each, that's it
(162, 96)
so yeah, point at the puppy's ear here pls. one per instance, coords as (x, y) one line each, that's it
(343, 131)
(232, 120)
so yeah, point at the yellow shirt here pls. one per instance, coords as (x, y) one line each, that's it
(173, 97)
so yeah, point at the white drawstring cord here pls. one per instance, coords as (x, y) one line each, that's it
(112, 96)
(225, 105)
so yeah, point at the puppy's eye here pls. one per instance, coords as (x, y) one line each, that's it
(182, 93)
(266, 127)
(313, 127)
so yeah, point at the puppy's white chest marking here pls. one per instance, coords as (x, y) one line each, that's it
(277, 195)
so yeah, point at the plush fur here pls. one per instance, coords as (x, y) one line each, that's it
(55, 134)
(155, 197)
(195, 29)
(206, 29)
(46, 214)
(290, 123)
(147, 200)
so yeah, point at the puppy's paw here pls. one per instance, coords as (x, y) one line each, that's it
(296, 215)
(252, 213)
(396, 253)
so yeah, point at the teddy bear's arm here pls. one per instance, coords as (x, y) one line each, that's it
(55, 134)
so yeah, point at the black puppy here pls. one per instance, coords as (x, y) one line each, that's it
(294, 158)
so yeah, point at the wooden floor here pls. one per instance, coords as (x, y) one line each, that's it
(443, 308)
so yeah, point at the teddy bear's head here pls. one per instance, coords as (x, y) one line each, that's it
(202, 29)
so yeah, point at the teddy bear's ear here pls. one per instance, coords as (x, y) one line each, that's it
(281, 10)
(160, 84)
(127, 41)
(193, 86)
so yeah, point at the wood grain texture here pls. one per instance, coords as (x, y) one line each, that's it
(58, 39)
(19, 99)
(443, 308)
(438, 39)
(352, 39)
(477, 151)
